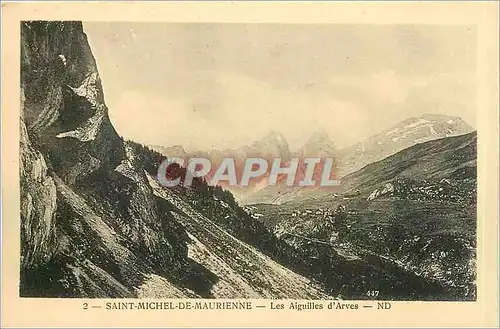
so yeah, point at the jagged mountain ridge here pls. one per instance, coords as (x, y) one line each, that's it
(93, 224)
(273, 145)
(318, 145)
(270, 147)
(407, 133)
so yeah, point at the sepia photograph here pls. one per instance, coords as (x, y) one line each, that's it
(229, 164)
(104, 104)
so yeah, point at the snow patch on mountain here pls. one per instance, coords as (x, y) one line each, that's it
(89, 88)
(63, 59)
(405, 134)
(89, 129)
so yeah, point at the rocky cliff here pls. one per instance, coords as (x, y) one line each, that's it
(94, 223)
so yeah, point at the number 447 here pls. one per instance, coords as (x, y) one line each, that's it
(372, 293)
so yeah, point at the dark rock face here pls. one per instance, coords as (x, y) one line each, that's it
(81, 161)
(38, 204)
(92, 225)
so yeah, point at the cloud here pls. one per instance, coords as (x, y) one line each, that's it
(225, 85)
(250, 110)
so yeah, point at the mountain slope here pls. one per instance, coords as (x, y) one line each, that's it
(450, 158)
(92, 223)
(415, 209)
(243, 268)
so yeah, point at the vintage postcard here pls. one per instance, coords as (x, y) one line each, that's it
(296, 164)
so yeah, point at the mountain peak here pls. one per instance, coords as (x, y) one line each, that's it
(319, 145)
(406, 133)
(320, 136)
(273, 144)
(275, 136)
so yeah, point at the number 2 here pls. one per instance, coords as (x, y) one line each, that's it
(85, 306)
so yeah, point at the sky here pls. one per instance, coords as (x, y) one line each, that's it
(215, 86)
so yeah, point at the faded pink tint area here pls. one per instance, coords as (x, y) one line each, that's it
(253, 173)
